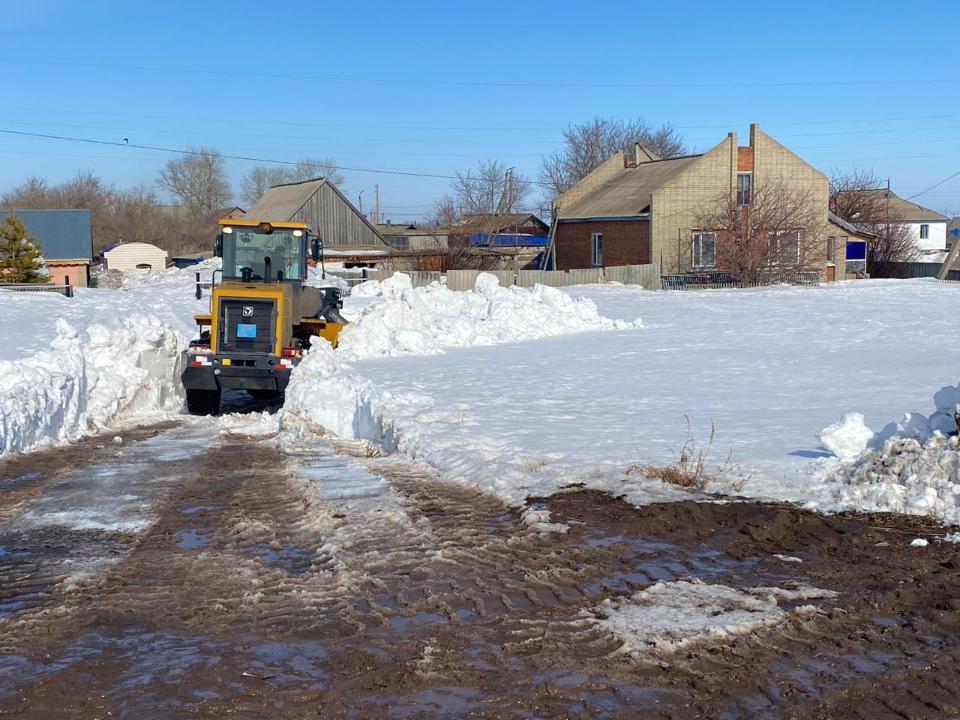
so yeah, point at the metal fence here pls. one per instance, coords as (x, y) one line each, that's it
(722, 280)
(65, 290)
(916, 270)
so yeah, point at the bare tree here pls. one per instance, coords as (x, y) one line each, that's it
(261, 178)
(782, 230)
(198, 179)
(491, 190)
(118, 215)
(586, 145)
(859, 197)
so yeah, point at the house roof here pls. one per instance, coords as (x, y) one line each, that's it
(902, 210)
(396, 228)
(850, 228)
(281, 202)
(628, 193)
(62, 234)
(471, 223)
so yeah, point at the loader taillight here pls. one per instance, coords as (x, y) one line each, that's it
(199, 360)
(292, 352)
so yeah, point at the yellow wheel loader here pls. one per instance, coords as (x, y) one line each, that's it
(262, 313)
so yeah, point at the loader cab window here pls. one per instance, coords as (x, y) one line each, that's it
(246, 247)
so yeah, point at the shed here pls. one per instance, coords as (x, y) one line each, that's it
(65, 239)
(134, 256)
(324, 209)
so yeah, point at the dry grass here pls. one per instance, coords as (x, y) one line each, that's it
(689, 470)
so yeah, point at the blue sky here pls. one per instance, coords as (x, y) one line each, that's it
(433, 88)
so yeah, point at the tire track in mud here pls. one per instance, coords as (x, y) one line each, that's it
(284, 581)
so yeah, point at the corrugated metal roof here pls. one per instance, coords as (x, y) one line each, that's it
(629, 193)
(62, 234)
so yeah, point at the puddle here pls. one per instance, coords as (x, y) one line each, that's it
(422, 618)
(442, 701)
(12, 482)
(289, 558)
(192, 539)
(193, 509)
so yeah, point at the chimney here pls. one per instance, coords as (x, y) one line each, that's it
(636, 153)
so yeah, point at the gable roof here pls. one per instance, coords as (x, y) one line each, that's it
(281, 202)
(901, 210)
(629, 193)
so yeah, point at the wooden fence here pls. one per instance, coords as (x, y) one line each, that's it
(646, 275)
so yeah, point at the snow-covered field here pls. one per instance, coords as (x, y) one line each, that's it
(522, 392)
(766, 369)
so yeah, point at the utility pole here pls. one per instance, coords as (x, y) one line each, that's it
(376, 189)
(360, 198)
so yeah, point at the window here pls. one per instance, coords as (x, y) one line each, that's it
(596, 249)
(924, 232)
(784, 247)
(744, 188)
(399, 242)
(831, 249)
(704, 249)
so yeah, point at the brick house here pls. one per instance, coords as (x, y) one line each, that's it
(643, 209)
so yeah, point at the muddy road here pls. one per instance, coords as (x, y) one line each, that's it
(179, 572)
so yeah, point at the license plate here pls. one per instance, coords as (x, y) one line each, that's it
(247, 331)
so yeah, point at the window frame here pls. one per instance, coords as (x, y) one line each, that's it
(744, 195)
(775, 235)
(696, 258)
(596, 249)
(924, 231)
(832, 249)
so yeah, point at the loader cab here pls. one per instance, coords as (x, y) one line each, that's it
(263, 251)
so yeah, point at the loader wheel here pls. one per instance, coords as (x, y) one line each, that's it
(203, 402)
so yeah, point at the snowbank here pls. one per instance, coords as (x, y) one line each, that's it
(74, 366)
(669, 616)
(428, 320)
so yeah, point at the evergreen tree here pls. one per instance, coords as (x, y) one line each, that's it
(20, 259)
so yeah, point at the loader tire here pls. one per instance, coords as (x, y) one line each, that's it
(203, 402)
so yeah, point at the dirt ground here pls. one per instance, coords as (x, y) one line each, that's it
(264, 584)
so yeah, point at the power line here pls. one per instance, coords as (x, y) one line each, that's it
(935, 186)
(181, 151)
(480, 83)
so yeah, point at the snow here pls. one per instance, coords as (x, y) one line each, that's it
(670, 616)
(846, 438)
(765, 367)
(919, 542)
(73, 366)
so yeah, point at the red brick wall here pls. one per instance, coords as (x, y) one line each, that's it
(745, 159)
(625, 242)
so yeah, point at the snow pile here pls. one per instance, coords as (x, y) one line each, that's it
(425, 321)
(846, 438)
(85, 384)
(669, 616)
(74, 366)
(911, 466)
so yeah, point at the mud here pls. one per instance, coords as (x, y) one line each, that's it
(312, 583)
